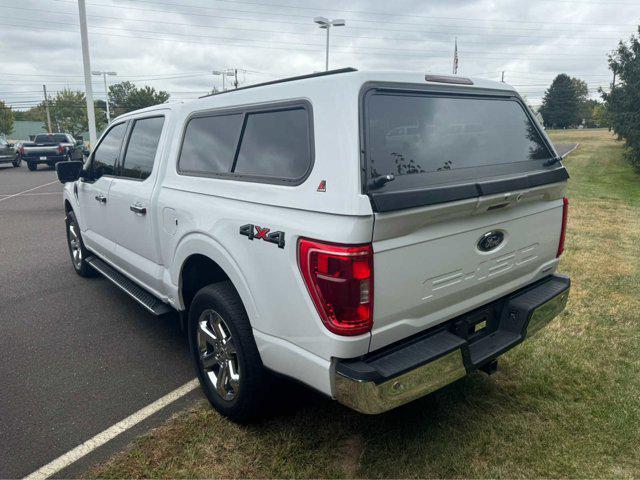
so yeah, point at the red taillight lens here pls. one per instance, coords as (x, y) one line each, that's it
(21, 150)
(340, 281)
(60, 149)
(563, 231)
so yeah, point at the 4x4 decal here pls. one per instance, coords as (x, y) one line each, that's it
(254, 231)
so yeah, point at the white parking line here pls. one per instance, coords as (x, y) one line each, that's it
(110, 433)
(34, 194)
(25, 191)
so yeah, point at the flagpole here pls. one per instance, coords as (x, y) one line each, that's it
(455, 57)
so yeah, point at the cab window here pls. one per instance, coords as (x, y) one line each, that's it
(106, 153)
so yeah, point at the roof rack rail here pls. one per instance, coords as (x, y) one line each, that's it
(288, 79)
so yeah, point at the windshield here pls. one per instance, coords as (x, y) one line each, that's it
(51, 138)
(425, 140)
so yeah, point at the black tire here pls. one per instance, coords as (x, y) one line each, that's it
(17, 161)
(81, 266)
(248, 399)
(32, 166)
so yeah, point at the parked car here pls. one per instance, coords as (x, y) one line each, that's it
(51, 148)
(294, 240)
(8, 153)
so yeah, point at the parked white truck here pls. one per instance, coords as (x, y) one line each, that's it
(373, 235)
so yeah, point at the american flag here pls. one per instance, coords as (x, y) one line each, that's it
(455, 57)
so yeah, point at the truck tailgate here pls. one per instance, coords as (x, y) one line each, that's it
(430, 265)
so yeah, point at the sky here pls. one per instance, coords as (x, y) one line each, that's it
(174, 45)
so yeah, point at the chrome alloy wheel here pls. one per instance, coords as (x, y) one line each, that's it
(74, 245)
(218, 354)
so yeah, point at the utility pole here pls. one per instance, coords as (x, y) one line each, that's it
(502, 76)
(86, 63)
(46, 107)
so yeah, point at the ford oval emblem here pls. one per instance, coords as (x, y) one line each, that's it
(490, 241)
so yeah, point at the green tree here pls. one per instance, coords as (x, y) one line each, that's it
(69, 112)
(623, 101)
(562, 102)
(6, 119)
(600, 116)
(125, 97)
(34, 114)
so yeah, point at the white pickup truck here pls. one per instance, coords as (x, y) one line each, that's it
(373, 235)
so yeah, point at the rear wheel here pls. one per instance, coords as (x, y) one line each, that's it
(32, 166)
(76, 247)
(17, 161)
(227, 360)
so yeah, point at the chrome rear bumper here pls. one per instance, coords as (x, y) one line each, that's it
(382, 381)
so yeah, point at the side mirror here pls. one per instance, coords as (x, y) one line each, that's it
(68, 171)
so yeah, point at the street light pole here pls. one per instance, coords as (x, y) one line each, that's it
(106, 89)
(86, 63)
(326, 57)
(325, 23)
(223, 73)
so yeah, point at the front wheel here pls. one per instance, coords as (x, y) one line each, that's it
(227, 360)
(32, 166)
(17, 161)
(77, 249)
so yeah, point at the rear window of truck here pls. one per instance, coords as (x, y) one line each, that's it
(51, 139)
(421, 140)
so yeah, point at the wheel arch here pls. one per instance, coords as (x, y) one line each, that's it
(198, 253)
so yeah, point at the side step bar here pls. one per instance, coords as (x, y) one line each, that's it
(149, 301)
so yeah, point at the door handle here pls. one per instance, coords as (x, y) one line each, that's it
(137, 208)
(101, 198)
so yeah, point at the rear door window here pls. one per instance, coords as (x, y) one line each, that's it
(429, 140)
(141, 149)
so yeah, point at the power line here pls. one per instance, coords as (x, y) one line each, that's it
(305, 16)
(291, 22)
(401, 52)
(282, 32)
(394, 14)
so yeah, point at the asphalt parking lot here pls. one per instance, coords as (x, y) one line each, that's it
(76, 355)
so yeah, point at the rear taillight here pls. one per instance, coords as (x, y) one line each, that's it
(563, 231)
(340, 281)
(21, 150)
(61, 149)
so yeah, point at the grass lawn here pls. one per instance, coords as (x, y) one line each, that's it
(565, 404)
